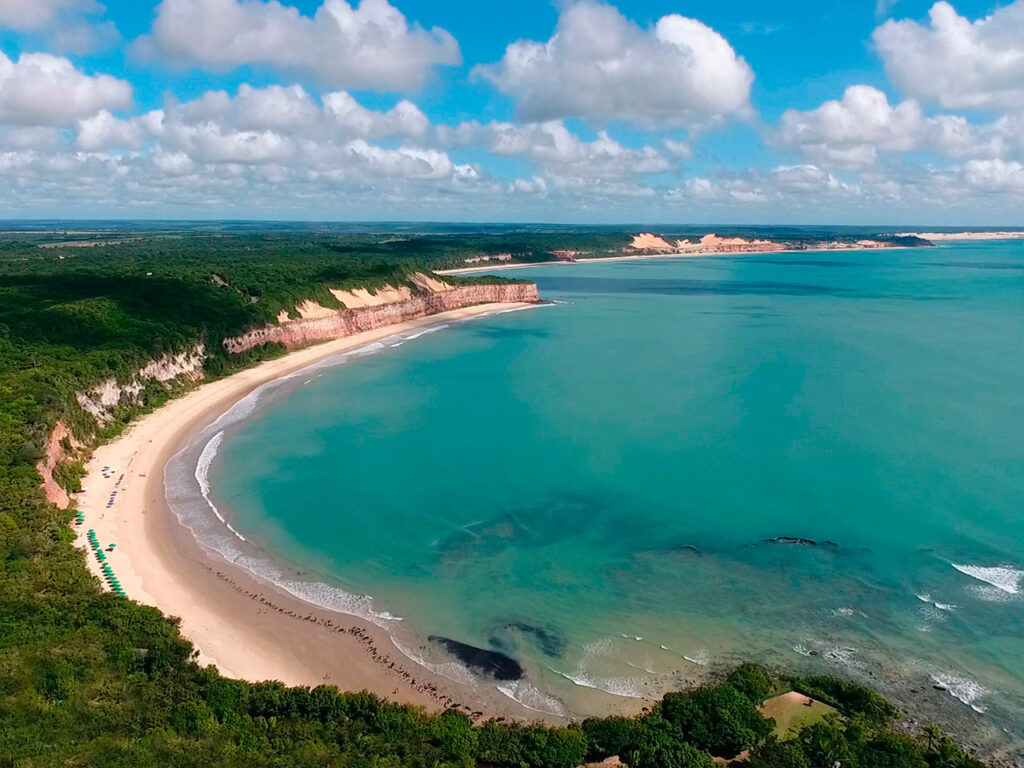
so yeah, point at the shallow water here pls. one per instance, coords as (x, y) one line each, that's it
(591, 487)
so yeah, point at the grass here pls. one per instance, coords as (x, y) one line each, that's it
(791, 712)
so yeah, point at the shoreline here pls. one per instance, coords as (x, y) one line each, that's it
(501, 267)
(249, 628)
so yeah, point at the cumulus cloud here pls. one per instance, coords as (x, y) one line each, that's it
(803, 187)
(40, 89)
(955, 62)
(66, 23)
(281, 131)
(103, 131)
(995, 175)
(558, 152)
(601, 66)
(853, 130)
(369, 46)
(40, 14)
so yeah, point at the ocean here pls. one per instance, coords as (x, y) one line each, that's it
(812, 460)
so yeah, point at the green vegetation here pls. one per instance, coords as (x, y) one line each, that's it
(89, 678)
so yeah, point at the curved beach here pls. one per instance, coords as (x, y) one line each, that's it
(249, 628)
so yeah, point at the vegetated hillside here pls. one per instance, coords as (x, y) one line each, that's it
(88, 678)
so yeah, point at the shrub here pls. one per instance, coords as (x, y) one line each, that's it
(657, 744)
(753, 681)
(720, 720)
(779, 754)
(608, 736)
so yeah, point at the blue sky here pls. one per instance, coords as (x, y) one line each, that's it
(642, 111)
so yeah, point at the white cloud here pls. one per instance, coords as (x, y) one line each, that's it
(103, 131)
(277, 133)
(532, 186)
(404, 119)
(40, 89)
(882, 8)
(807, 179)
(601, 66)
(557, 151)
(679, 149)
(39, 14)
(785, 184)
(65, 22)
(371, 45)
(851, 132)
(955, 62)
(21, 137)
(995, 175)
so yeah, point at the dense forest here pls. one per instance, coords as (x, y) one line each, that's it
(88, 678)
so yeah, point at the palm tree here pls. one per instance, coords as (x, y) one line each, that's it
(934, 734)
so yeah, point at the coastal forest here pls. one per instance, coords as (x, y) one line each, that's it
(90, 678)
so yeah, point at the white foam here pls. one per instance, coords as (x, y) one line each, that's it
(962, 688)
(1003, 577)
(840, 655)
(531, 697)
(425, 331)
(616, 686)
(452, 670)
(315, 593)
(700, 658)
(202, 475)
(842, 611)
(927, 598)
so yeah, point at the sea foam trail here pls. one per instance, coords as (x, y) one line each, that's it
(1003, 577)
(615, 686)
(531, 697)
(202, 474)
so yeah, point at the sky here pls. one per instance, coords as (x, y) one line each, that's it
(885, 112)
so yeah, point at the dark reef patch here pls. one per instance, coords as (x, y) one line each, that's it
(486, 662)
(539, 525)
(547, 640)
(801, 541)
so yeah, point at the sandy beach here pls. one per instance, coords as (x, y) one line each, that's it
(247, 627)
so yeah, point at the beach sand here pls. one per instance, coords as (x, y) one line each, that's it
(486, 270)
(246, 627)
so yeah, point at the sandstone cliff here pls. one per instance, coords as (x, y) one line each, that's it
(101, 400)
(314, 327)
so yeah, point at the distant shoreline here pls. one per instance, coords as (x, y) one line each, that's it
(964, 236)
(501, 267)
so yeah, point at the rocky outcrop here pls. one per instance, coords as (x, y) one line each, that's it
(347, 322)
(103, 399)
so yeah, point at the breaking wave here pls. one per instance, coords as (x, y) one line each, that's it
(1004, 577)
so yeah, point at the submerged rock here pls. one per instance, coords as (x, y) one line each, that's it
(486, 662)
(550, 642)
(801, 541)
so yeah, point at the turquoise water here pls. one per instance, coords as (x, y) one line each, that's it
(591, 486)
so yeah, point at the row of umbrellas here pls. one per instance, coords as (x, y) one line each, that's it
(101, 556)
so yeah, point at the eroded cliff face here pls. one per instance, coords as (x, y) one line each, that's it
(101, 400)
(53, 456)
(346, 322)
